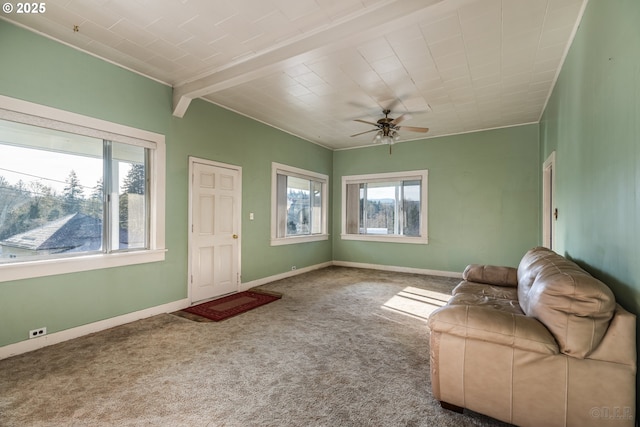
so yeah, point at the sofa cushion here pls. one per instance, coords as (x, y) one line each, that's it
(500, 292)
(572, 304)
(494, 326)
(491, 274)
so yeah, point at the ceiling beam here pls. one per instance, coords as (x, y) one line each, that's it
(354, 29)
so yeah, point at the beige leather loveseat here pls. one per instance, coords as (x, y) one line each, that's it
(543, 345)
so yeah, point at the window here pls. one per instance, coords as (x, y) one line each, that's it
(299, 205)
(389, 207)
(76, 193)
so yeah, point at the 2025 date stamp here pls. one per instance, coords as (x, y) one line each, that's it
(24, 8)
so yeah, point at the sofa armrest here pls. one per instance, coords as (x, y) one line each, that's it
(499, 327)
(491, 274)
(619, 343)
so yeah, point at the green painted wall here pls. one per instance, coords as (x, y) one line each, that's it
(233, 139)
(483, 189)
(42, 71)
(483, 199)
(593, 122)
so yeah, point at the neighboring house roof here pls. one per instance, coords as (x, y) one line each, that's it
(65, 234)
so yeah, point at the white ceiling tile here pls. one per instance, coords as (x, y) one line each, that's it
(309, 79)
(164, 64)
(203, 30)
(169, 31)
(473, 10)
(545, 66)
(136, 51)
(456, 74)
(561, 16)
(550, 53)
(489, 82)
(555, 36)
(133, 33)
(94, 12)
(277, 26)
(376, 50)
(485, 70)
(387, 65)
(323, 89)
(451, 61)
(478, 63)
(488, 41)
(175, 12)
(97, 32)
(443, 29)
(236, 27)
(480, 26)
(218, 11)
(451, 46)
(295, 9)
(199, 49)
(62, 16)
(298, 70)
(136, 13)
(406, 35)
(337, 9)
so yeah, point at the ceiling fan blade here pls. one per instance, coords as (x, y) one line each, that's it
(362, 133)
(364, 121)
(400, 119)
(415, 129)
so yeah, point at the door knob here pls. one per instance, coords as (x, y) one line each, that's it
(235, 236)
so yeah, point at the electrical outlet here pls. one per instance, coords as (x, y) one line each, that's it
(35, 333)
(293, 267)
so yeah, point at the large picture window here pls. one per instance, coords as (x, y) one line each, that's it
(299, 205)
(385, 207)
(69, 191)
(66, 194)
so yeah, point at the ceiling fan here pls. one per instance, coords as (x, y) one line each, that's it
(387, 128)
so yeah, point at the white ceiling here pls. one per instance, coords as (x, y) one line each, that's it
(310, 67)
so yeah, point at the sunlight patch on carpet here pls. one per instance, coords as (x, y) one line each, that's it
(416, 302)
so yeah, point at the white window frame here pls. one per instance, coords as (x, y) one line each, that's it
(39, 115)
(422, 175)
(279, 168)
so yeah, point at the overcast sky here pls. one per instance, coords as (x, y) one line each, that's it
(48, 168)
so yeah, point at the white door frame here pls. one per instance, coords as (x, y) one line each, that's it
(192, 161)
(549, 210)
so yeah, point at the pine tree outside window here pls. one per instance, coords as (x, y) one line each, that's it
(76, 214)
(69, 192)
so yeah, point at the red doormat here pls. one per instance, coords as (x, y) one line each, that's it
(231, 305)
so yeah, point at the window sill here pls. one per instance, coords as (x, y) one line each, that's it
(299, 239)
(385, 238)
(49, 267)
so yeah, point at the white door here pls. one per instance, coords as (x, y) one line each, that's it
(214, 248)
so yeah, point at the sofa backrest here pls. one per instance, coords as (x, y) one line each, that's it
(572, 304)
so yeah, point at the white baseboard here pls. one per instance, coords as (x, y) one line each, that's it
(58, 337)
(68, 334)
(263, 281)
(397, 269)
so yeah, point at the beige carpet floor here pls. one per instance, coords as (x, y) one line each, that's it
(343, 347)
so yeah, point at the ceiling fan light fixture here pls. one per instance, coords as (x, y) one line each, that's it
(387, 128)
(378, 137)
